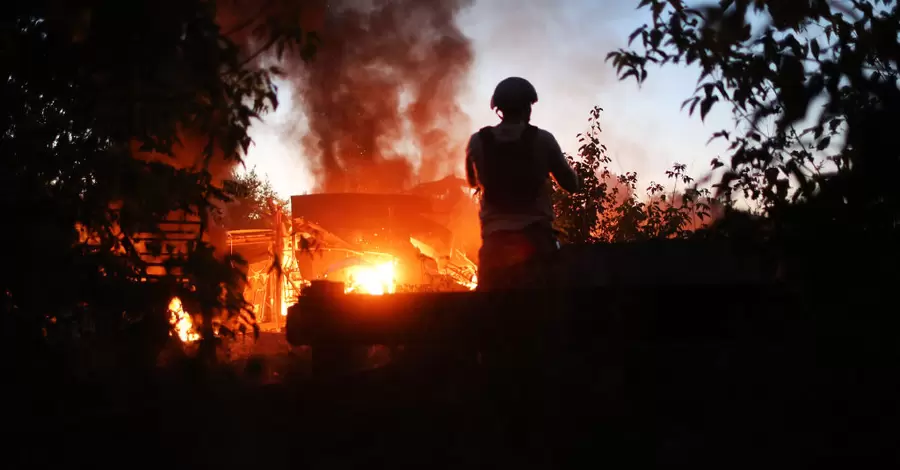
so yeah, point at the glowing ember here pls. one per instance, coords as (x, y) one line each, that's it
(373, 280)
(181, 322)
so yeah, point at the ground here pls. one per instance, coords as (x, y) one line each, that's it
(748, 391)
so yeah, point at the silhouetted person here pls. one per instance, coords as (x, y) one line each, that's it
(510, 164)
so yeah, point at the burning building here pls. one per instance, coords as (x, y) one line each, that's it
(380, 103)
(421, 239)
(421, 234)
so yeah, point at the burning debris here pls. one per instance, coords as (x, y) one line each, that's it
(182, 324)
(373, 280)
(410, 232)
(375, 244)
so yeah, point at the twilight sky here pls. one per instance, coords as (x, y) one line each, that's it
(560, 46)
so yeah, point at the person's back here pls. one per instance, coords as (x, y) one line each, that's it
(511, 165)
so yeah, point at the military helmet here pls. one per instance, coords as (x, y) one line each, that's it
(513, 93)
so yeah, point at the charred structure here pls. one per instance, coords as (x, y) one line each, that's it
(425, 235)
(420, 240)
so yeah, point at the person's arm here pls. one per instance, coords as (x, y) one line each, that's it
(560, 169)
(471, 174)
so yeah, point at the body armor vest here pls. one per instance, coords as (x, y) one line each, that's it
(511, 176)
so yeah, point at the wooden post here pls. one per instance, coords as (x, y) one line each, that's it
(278, 248)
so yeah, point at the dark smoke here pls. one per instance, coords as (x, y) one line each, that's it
(387, 72)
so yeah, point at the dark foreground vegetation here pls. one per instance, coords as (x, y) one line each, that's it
(619, 377)
(102, 137)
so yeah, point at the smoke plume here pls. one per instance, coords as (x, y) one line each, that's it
(381, 94)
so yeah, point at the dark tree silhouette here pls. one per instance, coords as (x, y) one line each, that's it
(610, 209)
(249, 201)
(116, 115)
(823, 76)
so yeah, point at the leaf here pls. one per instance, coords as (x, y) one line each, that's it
(718, 135)
(693, 106)
(824, 143)
(834, 124)
(707, 105)
(655, 38)
(635, 34)
(814, 47)
(817, 131)
(689, 100)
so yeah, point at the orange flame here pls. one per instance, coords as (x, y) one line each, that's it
(181, 322)
(372, 280)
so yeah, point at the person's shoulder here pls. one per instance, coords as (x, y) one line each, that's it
(474, 144)
(476, 136)
(544, 135)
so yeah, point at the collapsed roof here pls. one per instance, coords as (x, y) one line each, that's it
(438, 214)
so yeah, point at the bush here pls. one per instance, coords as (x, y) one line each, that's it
(609, 210)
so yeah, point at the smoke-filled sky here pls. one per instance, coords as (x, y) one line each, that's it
(560, 45)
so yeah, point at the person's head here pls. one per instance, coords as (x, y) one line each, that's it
(513, 99)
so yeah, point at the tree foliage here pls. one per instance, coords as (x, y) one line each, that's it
(824, 74)
(609, 208)
(117, 115)
(251, 200)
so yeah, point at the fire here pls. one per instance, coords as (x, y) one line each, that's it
(181, 322)
(373, 280)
